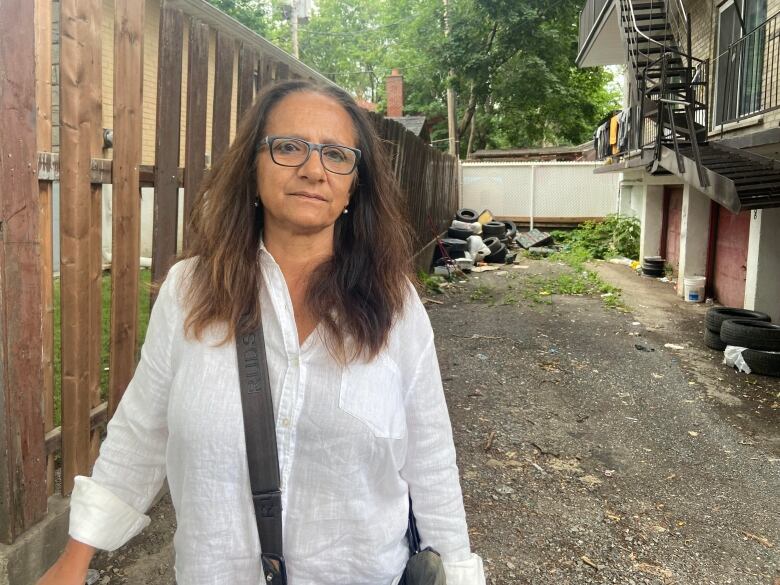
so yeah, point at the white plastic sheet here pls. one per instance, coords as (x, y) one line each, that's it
(732, 357)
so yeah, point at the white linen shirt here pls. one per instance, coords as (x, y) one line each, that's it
(353, 442)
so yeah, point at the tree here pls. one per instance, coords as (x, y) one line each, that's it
(513, 62)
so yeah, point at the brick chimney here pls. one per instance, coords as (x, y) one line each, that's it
(395, 94)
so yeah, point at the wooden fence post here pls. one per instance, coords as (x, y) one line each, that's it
(94, 94)
(195, 141)
(77, 114)
(223, 94)
(167, 139)
(43, 98)
(128, 112)
(22, 455)
(246, 72)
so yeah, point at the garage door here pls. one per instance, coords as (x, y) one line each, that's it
(730, 265)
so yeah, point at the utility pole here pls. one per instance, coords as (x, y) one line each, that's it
(294, 27)
(451, 126)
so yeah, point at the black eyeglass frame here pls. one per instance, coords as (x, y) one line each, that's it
(311, 146)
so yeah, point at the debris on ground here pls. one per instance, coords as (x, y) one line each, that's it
(534, 239)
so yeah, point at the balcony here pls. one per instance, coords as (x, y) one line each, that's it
(600, 40)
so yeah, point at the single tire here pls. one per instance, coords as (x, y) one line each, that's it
(717, 315)
(498, 257)
(654, 272)
(511, 229)
(493, 243)
(494, 228)
(751, 334)
(764, 363)
(467, 215)
(459, 234)
(713, 340)
(455, 245)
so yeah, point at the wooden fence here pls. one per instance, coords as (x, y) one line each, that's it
(38, 459)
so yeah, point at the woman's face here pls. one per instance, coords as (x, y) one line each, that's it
(306, 199)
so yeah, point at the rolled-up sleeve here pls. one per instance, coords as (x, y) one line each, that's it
(108, 508)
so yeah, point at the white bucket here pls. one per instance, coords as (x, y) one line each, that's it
(694, 289)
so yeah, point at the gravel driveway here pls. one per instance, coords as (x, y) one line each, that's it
(589, 451)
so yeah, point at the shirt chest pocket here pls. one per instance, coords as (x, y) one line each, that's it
(372, 393)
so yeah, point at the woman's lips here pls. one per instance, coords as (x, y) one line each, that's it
(308, 195)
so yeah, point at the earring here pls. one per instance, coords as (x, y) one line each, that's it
(256, 203)
(346, 211)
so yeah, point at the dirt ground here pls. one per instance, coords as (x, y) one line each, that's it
(589, 452)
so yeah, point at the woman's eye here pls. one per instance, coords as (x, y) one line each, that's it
(287, 146)
(335, 155)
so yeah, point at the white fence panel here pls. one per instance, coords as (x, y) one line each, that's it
(540, 190)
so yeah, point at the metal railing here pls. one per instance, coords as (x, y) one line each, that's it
(748, 75)
(588, 18)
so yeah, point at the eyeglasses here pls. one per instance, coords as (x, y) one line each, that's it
(294, 152)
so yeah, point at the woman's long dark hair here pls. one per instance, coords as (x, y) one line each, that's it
(355, 295)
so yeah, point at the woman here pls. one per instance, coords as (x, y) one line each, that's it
(298, 222)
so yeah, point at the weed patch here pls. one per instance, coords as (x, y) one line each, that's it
(483, 292)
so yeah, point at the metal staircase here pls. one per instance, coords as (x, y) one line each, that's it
(669, 91)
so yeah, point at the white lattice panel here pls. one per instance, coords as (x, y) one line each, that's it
(569, 189)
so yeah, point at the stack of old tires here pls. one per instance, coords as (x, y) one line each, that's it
(653, 266)
(749, 329)
(497, 235)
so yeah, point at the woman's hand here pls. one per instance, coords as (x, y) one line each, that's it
(71, 568)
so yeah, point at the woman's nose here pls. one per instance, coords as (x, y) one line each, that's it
(312, 168)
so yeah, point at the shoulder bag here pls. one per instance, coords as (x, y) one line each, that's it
(424, 566)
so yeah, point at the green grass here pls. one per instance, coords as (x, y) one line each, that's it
(483, 292)
(582, 282)
(143, 321)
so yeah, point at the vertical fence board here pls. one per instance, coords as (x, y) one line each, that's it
(195, 141)
(22, 457)
(94, 93)
(128, 111)
(223, 94)
(246, 72)
(77, 40)
(167, 136)
(43, 98)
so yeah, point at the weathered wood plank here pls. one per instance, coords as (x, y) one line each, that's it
(195, 140)
(166, 181)
(246, 79)
(266, 73)
(94, 92)
(128, 110)
(43, 63)
(100, 170)
(223, 95)
(98, 417)
(22, 457)
(282, 72)
(76, 109)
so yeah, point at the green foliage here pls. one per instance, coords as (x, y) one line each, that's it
(580, 282)
(431, 284)
(617, 235)
(512, 62)
(253, 14)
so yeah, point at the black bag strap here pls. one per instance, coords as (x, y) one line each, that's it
(412, 534)
(261, 451)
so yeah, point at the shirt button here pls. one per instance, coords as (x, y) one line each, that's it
(285, 422)
(295, 361)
